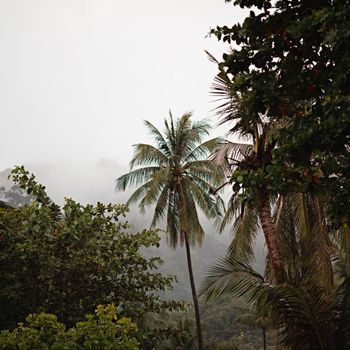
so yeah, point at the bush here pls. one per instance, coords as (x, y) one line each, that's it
(100, 331)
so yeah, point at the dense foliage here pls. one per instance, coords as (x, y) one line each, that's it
(290, 64)
(284, 87)
(102, 331)
(66, 261)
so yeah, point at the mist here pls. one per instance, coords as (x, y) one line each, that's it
(79, 76)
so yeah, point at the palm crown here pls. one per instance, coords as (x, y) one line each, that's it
(176, 176)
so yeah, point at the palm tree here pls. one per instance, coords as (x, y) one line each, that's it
(177, 178)
(250, 206)
(305, 300)
(311, 307)
(247, 164)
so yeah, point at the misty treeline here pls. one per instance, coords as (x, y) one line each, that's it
(79, 277)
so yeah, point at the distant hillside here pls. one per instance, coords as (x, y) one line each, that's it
(4, 181)
(85, 182)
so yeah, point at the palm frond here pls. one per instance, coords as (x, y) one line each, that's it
(201, 129)
(202, 197)
(159, 181)
(161, 206)
(189, 135)
(287, 237)
(158, 138)
(145, 154)
(244, 232)
(201, 151)
(170, 135)
(211, 58)
(346, 244)
(340, 308)
(189, 220)
(139, 193)
(231, 277)
(182, 135)
(173, 220)
(303, 237)
(233, 210)
(345, 234)
(226, 97)
(340, 258)
(207, 171)
(230, 154)
(298, 315)
(136, 177)
(217, 205)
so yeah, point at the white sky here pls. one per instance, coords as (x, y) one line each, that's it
(78, 76)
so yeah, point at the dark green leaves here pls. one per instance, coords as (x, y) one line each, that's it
(70, 264)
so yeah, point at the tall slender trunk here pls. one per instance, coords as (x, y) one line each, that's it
(271, 239)
(194, 294)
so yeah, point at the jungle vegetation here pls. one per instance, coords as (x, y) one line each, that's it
(283, 94)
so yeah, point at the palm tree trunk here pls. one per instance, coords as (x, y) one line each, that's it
(194, 294)
(271, 239)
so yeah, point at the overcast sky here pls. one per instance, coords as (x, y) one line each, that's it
(78, 76)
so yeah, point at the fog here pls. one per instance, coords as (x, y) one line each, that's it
(78, 76)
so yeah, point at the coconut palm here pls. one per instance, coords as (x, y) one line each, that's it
(300, 253)
(177, 179)
(250, 206)
(312, 306)
(247, 166)
(304, 237)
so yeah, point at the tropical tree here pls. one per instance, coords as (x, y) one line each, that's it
(258, 181)
(248, 167)
(290, 59)
(65, 260)
(310, 307)
(293, 222)
(283, 86)
(177, 179)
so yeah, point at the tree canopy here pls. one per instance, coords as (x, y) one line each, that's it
(289, 62)
(67, 260)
